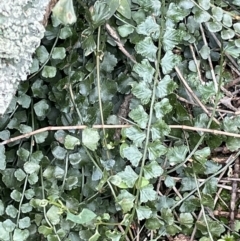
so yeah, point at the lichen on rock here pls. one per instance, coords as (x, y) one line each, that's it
(20, 34)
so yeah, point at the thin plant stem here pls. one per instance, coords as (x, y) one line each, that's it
(99, 89)
(202, 207)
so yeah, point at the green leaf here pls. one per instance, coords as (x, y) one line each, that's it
(159, 129)
(186, 4)
(169, 61)
(152, 6)
(214, 26)
(227, 20)
(205, 4)
(42, 54)
(41, 137)
(202, 154)
(59, 53)
(201, 16)
(124, 8)
(154, 224)
(207, 91)
(210, 186)
(143, 212)
(65, 32)
(231, 49)
(59, 152)
(26, 208)
(227, 34)
(4, 233)
(9, 225)
(176, 13)
(24, 222)
(149, 27)
(125, 30)
(132, 154)
(237, 226)
(100, 13)
(29, 194)
(141, 91)
(24, 128)
(33, 178)
(188, 184)
(41, 108)
(4, 135)
(39, 89)
(11, 211)
(113, 235)
(147, 49)
(117, 181)
(139, 116)
(232, 143)
(95, 236)
(24, 100)
(155, 150)
(109, 62)
(31, 167)
(152, 170)
(169, 182)
(144, 70)
(171, 38)
(211, 167)
(167, 216)
(165, 87)
(186, 219)
(138, 16)
(136, 135)
(53, 214)
(90, 138)
(88, 43)
(205, 51)
(236, 27)
(20, 235)
(75, 158)
(2, 158)
(173, 229)
(162, 108)
(44, 230)
(190, 205)
(84, 217)
(16, 195)
(64, 11)
(49, 71)
(125, 200)
(147, 193)
(177, 154)
(217, 13)
(70, 142)
(128, 177)
(35, 66)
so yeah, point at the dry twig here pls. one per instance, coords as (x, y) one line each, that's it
(193, 95)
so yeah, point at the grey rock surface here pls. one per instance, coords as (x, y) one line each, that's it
(20, 34)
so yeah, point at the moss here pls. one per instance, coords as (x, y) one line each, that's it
(20, 35)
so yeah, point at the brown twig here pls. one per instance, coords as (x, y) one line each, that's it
(193, 95)
(196, 63)
(232, 83)
(234, 194)
(117, 40)
(55, 128)
(224, 214)
(80, 127)
(209, 108)
(215, 132)
(209, 59)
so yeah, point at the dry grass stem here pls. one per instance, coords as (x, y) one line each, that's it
(193, 95)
